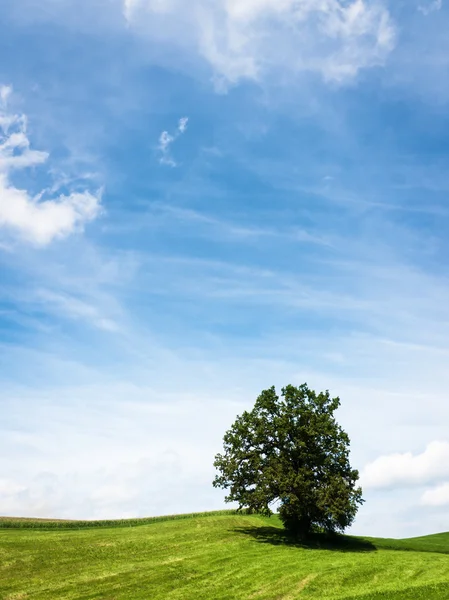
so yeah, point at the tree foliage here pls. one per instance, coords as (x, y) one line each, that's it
(290, 452)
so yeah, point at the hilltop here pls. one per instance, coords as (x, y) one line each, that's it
(211, 556)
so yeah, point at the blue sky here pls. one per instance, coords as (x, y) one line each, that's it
(196, 205)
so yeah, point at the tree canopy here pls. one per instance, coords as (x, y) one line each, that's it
(289, 452)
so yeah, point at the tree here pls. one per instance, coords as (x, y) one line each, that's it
(289, 451)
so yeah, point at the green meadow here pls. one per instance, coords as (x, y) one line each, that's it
(216, 555)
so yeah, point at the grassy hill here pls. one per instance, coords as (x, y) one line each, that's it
(213, 556)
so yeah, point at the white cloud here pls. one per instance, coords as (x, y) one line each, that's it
(128, 6)
(166, 140)
(144, 462)
(9, 487)
(5, 92)
(77, 309)
(438, 496)
(247, 38)
(30, 217)
(399, 470)
(430, 7)
(42, 222)
(183, 124)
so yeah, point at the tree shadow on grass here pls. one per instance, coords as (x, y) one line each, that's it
(279, 537)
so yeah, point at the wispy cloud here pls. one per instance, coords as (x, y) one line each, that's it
(75, 308)
(5, 92)
(166, 140)
(204, 224)
(35, 218)
(245, 39)
(430, 7)
(74, 287)
(182, 126)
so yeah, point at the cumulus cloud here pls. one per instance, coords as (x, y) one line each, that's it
(438, 496)
(34, 218)
(166, 140)
(247, 38)
(399, 470)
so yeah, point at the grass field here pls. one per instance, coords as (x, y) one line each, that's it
(215, 556)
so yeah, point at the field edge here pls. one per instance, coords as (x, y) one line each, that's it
(38, 523)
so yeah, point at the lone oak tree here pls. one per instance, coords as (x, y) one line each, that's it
(290, 451)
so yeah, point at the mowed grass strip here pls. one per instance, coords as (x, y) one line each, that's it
(223, 556)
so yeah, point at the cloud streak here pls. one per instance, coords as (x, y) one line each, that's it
(76, 309)
(27, 216)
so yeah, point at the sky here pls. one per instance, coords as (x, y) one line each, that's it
(197, 203)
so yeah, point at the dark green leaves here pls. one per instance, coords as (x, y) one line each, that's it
(290, 452)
